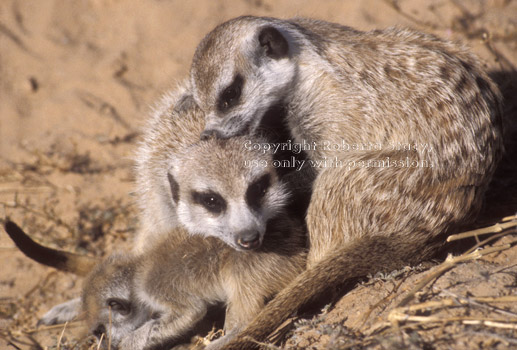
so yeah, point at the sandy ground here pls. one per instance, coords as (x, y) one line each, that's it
(77, 78)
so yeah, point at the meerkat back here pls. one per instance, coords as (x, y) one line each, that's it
(405, 127)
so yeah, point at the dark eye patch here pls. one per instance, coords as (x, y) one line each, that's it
(231, 95)
(257, 190)
(119, 306)
(175, 188)
(211, 201)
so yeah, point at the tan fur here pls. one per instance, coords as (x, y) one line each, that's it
(143, 300)
(178, 280)
(171, 167)
(175, 123)
(384, 87)
(160, 294)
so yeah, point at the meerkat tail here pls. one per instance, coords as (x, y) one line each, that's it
(357, 259)
(61, 260)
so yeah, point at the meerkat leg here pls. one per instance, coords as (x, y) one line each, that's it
(241, 309)
(239, 312)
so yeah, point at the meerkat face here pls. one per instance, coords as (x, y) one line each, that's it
(223, 188)
(240, 70)
(113, 312)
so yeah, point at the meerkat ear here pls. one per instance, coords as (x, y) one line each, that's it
(185, 102)
(274, 43)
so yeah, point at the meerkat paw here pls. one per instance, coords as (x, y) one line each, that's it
(61, 313)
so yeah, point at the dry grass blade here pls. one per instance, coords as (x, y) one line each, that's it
(100, 341)
(452, 302)
(396, 317)
(497, 228)
(481, 302)
(61, 336)
(71, 324)
(449, 264)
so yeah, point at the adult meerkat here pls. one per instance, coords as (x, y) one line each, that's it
(403, 128)
(158, 295)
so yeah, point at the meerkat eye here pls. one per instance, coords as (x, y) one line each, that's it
(119, 306)
(231, 95)
(211, 201)
(257, 190)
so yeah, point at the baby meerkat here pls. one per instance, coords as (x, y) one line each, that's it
(180, 185)
(211, 188)
(403, 128)
(175, 123)
(140, 301)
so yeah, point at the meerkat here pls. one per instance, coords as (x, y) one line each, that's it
(217, 188)
(404, 131)
(143, 300)
(221, 189)
(175, 123)
(164, 159)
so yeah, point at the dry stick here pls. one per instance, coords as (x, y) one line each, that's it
(261, 344)
(448, 264)
(478, 301)
(27, 190)
(396, 317)
(488, 240)
(434, 304)
(497, 228)
(10, 338)
(508, 218)
(8, 248)
(471, 254)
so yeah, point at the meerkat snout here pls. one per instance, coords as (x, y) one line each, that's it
(99, 331)
(249, 239)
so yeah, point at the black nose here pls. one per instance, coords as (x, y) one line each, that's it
(99, 331)
(248, 239)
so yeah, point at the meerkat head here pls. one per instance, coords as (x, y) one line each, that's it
(108, 293)
(227, 189)
(241, 69)
(113, 310)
